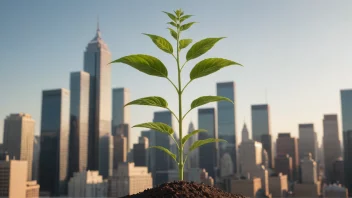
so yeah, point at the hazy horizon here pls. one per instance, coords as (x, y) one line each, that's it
(299, 51)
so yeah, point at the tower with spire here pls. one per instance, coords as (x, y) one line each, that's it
(96, 62)
(245, 133)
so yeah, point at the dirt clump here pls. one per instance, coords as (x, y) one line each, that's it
(183, 189)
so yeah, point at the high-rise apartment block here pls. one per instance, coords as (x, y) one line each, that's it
(96, 62)
(79, 109)
(226, 118)
(346, 109)
(19, 138)
(54, 144)
(208, 154)
(129, 180)
(307, 142)
(331, 143)
(87, 184)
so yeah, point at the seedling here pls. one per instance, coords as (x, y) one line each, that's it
(154, 67)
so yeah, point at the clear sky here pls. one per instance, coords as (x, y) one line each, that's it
(299, 51)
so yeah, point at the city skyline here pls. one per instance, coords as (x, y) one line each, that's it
(290, 71)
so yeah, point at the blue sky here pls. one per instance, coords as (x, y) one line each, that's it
(299, 51)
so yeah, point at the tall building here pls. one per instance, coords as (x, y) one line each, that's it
(261, 128)
(120, 113)
(331, 143)
(307, 142)
(151, 141)
(36, 153)
(193, 157)
(87, 184)
(54, 141)
(13, 178)
(245, 133)
(278, 185)
(140, 152)
(79, 103)
(284, 165)
(285, 144)
(129, 180)
(227, 122)
(96, 62)
(19, 138)
(120, 150)
(124, 129)
(338, 171)
(208, 154)
(346, 108)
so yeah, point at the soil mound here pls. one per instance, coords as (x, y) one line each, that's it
(183, 189)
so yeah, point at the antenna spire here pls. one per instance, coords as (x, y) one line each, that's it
(98, 29)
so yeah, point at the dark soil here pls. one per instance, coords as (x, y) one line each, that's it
(183, 189)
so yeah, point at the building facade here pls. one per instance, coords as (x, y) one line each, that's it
(284, 165)
(96, 62)
(307, 142)
(226, 118)
(32, 189)
(208, 154)
(13, 178)
(278, 185)
(54, 141)
(140, 152)
(120, 112)
(287, 145)
(19, 138)
(87, 184)
(79, 109)
(36, 153)
(245, 133)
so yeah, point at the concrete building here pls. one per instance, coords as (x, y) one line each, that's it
(268, 148)
(284, 165)
(36, 153)
(129, 180)
(120, 150)
(140, 152)
(245, 133)
(121, 113)
(278, 185)
(193, 157)
(338, 171)
(19, 138)
(287, 145)
(331, 142)
(307, 141)
(208, 154)
(226, 128)
(32, 189)
(87, 184)
(13, 178)
(54, 143)
(346, 111)
(79, 109)
(96, 62)
(246, 187)
(335, 191)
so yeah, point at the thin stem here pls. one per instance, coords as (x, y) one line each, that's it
(180, 164)
(183, 65)
(186, 114)
(173, 113)
(185, 158)
(186, 86)
(172, 83)
(178, 146)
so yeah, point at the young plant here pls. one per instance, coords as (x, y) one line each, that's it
(154, 67)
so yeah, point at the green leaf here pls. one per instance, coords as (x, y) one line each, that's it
(184, 43)
(155, 101)
(167, 151)
(185, 17)
(161, 42)
(206, 141)
(172, 17)
(209, 66)
(207, 99)
(184, 139)
(158, 126)
(145, 63)
(186, 26)
(172, 23)
(173, 33)
(201, 47)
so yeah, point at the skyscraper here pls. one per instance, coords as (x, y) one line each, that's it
(261, 128)
(193, 157)
(307, 142)
(79, 103)
(346, 108)
(96, 62)
(245, 133)
(285, 144)
(120, 114)
(163, 161)
(36, 153)
(140, 152)
(19, 138)
(54, 143)
(227, 121)
(208, 153)
(331, 143)
(120, 150)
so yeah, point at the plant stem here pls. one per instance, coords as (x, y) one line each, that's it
(180, 163)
